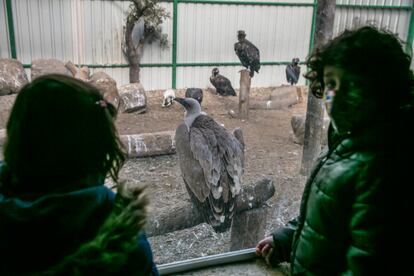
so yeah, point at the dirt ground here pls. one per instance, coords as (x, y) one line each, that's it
(270, 152)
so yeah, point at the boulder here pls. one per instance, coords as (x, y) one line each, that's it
(107, 86)
(79, 73)
(6, 104)
(298, 126)
(132, 98)
(42, 67)
(12, 76)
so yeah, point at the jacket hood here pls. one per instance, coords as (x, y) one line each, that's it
(73, 217)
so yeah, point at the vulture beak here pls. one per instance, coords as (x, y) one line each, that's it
(183, 102)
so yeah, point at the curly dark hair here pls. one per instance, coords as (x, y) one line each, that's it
(374, 61)
(60, 135)
(376, 56)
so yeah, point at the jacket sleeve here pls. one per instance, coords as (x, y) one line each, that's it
(282, 239)
(367, 226)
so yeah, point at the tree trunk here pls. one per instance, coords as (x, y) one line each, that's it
(186, 214)
(245, 82)
(314, 115)
(133, 52)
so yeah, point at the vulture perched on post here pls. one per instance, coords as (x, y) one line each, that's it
(293, 71)
(195, 93)
(248, 54)
(211, 161)
(221, 83)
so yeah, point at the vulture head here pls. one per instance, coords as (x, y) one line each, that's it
(241, 35)
(192, 109)
(215, 72)
(295, 61)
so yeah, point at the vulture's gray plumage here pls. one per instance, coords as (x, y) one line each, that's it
(211, 161)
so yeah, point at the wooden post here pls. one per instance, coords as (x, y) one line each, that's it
(314, 113)
(248, 228)
(245, 82)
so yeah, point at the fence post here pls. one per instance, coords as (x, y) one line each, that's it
(10, 25)
(174, 45)
(410, 35)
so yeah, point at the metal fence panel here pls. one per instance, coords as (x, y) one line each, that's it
(5, 51)
(280, 33)
(43, 29)
(103, 33)
(91, 32)
(395, 20)
(375, 2)
(207, 33)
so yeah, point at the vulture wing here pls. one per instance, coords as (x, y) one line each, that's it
(191, 170)
(291, 74)
(240, 50)
(253, 56)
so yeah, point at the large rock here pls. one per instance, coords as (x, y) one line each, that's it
(42, 67)
(6, 104)
(12, 76)
(132, 98)
(298, 126)
(107, 86)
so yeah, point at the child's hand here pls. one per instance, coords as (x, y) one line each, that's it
(265, 248)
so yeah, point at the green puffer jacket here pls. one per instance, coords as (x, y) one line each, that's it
(351, 212)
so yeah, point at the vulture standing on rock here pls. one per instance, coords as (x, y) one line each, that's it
(222, 84)
(195, 93)
(211, 161)
(248, 54)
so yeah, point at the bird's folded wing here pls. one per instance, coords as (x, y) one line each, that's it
(191, 169)
(233, 156)
(203, 145)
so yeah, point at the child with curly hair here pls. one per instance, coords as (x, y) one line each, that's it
(352, 218)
